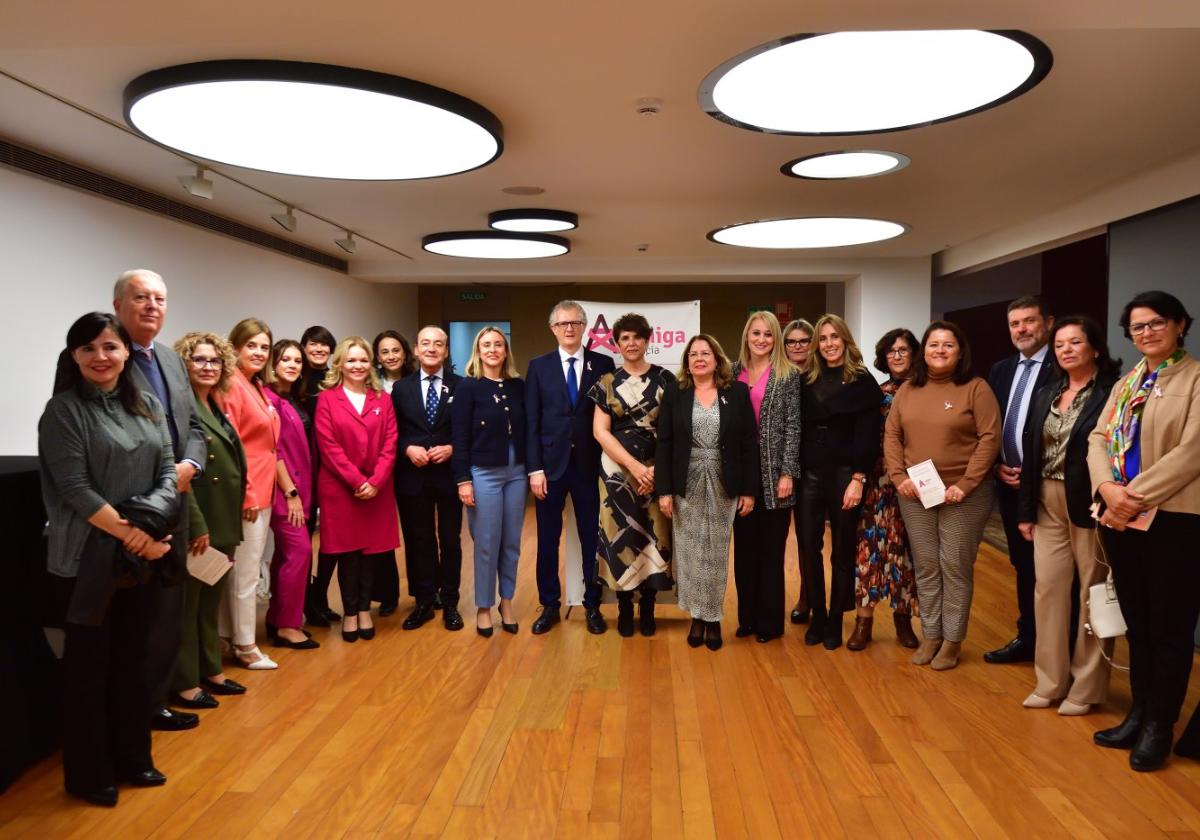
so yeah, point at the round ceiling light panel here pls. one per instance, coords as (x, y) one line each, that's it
(813, 232)
(495, 245)
(832, 166)
(868, 82)
(315, 120)
(532, 220)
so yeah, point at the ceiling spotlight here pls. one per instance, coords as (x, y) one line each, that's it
(817, 232)
(347, 244)
(316, 120)
(197, 184)
(287, 220)
(530, 220)
(495, 245)
(866, 82)
(843, 165)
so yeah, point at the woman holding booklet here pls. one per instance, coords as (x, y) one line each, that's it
(945, 422)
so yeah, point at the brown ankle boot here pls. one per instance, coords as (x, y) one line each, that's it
(861, 637)
(905, 637)
(947, 656)
(926, 651)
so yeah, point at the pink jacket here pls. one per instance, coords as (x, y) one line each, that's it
(257, 424)
(293, 451)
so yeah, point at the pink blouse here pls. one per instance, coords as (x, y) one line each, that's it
(757, 391)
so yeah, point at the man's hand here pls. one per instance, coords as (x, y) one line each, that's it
(538, 484)
(184, 473)
(1009, 475)
(440, 454)
(419, 455)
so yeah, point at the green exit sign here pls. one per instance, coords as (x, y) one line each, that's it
(472, 297)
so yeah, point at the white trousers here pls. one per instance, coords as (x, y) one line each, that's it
(238, 614)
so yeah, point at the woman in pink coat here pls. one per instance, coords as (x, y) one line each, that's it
(356, 437)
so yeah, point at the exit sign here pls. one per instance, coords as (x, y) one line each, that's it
(472, 297)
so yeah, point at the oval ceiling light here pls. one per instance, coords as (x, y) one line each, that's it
(828, 166)
(867, 82)
(315, 120)
(813, 232)
(533, 220)
(495, 245)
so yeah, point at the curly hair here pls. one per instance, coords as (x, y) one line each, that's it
(884, 346)
(188, 343)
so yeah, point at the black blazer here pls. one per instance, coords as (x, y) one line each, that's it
(1075, 473)
(1000, 380)
(738, 441)
(413, 429)
(485, 417)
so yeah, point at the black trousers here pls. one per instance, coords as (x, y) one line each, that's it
(759, 540)
(162, 648)
(356, 572)
(109, 693)
(802, 603)
(1020, 554)
(1158, 584)
(432, 525)
(821, 493)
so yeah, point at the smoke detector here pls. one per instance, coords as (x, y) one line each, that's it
(649, 106)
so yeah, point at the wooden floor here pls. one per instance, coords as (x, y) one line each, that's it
(437, 734)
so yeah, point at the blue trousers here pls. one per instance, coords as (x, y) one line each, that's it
(584, 490)
(495, 524)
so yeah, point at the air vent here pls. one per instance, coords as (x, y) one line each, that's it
(36, 163)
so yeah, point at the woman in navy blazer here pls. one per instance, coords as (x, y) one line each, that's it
(487, 421)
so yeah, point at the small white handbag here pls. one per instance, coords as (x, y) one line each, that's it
(1104, 612)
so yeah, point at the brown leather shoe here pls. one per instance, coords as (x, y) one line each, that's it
(905, 637)
(861, 637)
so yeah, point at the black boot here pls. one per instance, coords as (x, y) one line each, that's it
(833, 631)
(625, 614)
(1188, 744)
(646, 621)
(695, 636)
(1152, 747)
(313, 614)
(816, 629)
(1124, 735)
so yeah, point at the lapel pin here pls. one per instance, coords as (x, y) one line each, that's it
(589, 367)
(1157, 390)
(947, 405)
(377, 412)
(496, 397)
(723, 400)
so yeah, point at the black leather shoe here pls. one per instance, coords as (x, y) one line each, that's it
(646, 622)
(105, 796)
(168, 720)
(595, 622)
(510, 628)
(329, 615)
(625, 617)
(743, 632)
(712, 635)
(306, 644)
(151, 777)
(695, 636)
(816, 631)
(202, 700)
(486, 632)
(420, 615)
(833, 632)
(545, 621)
(763, 638)
(388, 609)
(313, 615)
(1018, 650)
(1152, 747)
(366, 633)
(350, 635)
(800, 616)
(451, 619)
(1125, 734)
(228, 687)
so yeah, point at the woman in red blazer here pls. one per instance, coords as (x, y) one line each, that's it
(356, 438)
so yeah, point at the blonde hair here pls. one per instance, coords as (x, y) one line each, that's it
(475, 363)
(852, 366)
(722, 375)
(187, 345)
(780, 363)
(243, 331)
(333, 377)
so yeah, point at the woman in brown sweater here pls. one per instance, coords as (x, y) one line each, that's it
(946, 415)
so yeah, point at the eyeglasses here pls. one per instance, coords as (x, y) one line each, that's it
(899, 352)
(797, 342)
(202, 362)
(1157, 325)
(700, 354)
(569, 325)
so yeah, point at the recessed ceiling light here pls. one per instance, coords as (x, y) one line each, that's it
(495, 245)
(817, 232)
(865, 82)
(842, 165)
(316, 120)
(532, 220)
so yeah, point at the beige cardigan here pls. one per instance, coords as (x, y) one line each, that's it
(1170, 441)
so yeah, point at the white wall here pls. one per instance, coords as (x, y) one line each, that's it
(63, 249)
(887, 294)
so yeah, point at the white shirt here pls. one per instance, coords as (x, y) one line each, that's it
(563, 355)
(425, 385)
(1038, 359)
(388, 384)
(356, 400)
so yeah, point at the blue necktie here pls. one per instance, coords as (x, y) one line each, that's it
(572, 381)
(431, 399)
(149, 367)
(1012, 456)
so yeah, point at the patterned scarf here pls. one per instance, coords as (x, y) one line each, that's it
(1126, 417)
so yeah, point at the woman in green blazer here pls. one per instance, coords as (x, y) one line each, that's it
(215, 520)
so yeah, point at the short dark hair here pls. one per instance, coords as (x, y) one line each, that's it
(1105, 363)
(631, 322)
(884, 345)
(85, 330)
(318, 335)
(1028, 302)
(1165, 304)
(962, 371)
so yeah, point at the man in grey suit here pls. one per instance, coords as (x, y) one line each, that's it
(140, 303)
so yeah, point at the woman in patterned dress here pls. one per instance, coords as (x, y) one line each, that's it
(883, 569)
(634, 545)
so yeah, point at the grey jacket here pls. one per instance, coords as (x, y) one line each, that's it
(779, 436)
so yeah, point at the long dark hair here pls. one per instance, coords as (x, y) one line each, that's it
(962, 371)
(1106, 365)
(410, 362)
(298, 390)
(85, 330)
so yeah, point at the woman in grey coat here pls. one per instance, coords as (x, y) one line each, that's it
(759, 539)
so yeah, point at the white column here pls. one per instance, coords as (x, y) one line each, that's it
(887, 294)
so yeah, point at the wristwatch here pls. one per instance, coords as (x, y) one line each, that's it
(859, 477)
(293, 493)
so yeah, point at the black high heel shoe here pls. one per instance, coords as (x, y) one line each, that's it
(349, 635)
(487, 632)
(695, 636)
(712, 636)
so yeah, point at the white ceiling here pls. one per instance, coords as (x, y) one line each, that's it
(564, 78)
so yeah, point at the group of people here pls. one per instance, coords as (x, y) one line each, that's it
(156, 460)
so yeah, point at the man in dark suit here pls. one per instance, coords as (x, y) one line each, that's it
(563, 458)
(430, 512)
(1014, 380)
(140, 303)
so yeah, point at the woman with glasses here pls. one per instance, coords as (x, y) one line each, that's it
(797, 342)
(884, 569)
(1144, 460)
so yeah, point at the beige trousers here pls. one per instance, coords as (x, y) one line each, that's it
(1060, 549)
